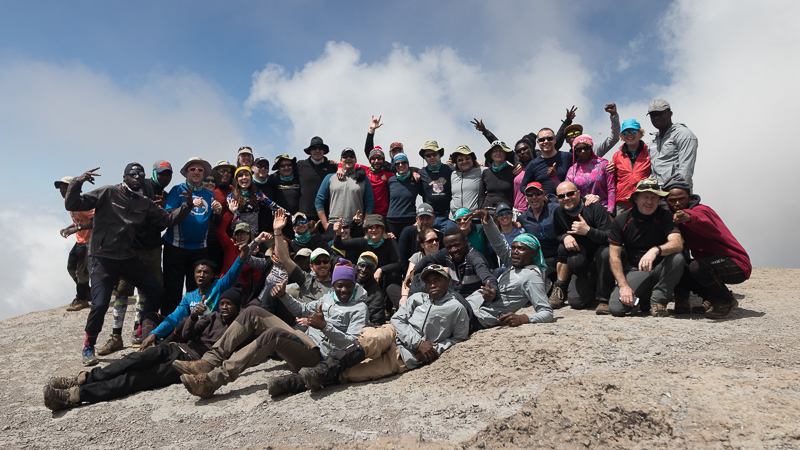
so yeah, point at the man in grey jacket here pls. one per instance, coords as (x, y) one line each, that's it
(674, 147)
(423, 328)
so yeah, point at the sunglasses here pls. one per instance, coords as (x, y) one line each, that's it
(196, 169)
(317, 148)
(262, 166)
(285, 166)
(348, 156)
(462, 220)
(135, 173)
(574, 134)
(224, 171)
(208, 180)
(534, 194)
(372, 227)
(629, 131)
(345, 227)
(432, 241)
(463, 158)
(582, 148)
(430, 155)
(504, 213)
(300, 222)
(566, 194)
(548, 139)
(321, 262)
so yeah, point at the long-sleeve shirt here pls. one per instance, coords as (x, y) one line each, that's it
(230, 253)
(202, 334)
(387, 253)
(543, 226)
(518, 287)
(192, 299)
(676, 152)
(467, 276)
(311, 176)
(346, 197)
(344, 319)
(436, 189)
(594, 215)
(403, 199)
(190, 233)
(468, 189)
(444, 321)
(499, 186)
(592, 178)
(537, 171)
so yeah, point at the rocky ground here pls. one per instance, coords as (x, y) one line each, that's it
(583, 381)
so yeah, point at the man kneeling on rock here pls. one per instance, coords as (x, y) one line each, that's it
(333, 322)
(151, 368)
(426, 325)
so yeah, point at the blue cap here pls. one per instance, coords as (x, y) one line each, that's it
(631, 124)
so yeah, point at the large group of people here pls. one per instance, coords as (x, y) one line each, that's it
(353, 272)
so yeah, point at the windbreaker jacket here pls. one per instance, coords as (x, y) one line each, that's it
(628, 172)
(118, 215)
(675, 153)
(444, 322)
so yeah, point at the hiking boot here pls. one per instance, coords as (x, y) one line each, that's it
(328, 371)
(67, 382)
(78, 305)
(196, 367)
(89, 358)
(136, 341)
(659, 310)
(602, 309)
(721, 309)
(287, 384)
(114, 343)
(55, 399)
(558, 296)
(707, 303)
(199, 385)
(682, 305)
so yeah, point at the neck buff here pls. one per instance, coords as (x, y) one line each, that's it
(155, 178)
(245, 193)
(577, 209)
(436, 167)
(127, 188)
(375, 244)
(498, 169)
(403, 177)
(255, 180)
(286, 179)
(303, 238)
(195, 188)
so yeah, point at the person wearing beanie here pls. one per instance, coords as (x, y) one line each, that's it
(718, 258)
(333, 322)
(630, 165)
(404, 188)
(149, 369)
(426, 326)
(589, 174)
(110, 245)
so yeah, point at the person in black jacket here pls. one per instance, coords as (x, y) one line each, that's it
(311, 172)
(583, 232)
(376, 299)
(120, 211)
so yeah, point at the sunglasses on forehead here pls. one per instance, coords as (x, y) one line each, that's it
(574, 134)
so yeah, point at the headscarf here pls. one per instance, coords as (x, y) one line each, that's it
(460, 212)
(531, 241)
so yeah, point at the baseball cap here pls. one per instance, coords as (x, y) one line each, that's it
(425, 210)
(318, 252)
(534, 184)
(434, 268)
(161, 165)
(658, 105)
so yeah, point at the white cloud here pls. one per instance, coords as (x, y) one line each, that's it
(428, 96)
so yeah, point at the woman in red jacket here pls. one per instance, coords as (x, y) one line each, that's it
(631, 164)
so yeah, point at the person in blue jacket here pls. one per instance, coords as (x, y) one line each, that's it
(209, 288)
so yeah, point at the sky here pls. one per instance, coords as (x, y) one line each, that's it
(88, 83)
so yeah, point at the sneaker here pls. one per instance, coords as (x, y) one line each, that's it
(659, 310)
(89, 358)
(67, 382)
(722, 309)
(136, 341)
(78, 305)
(682, 305)
(55, 399)
(195, 367)
(602, 309)
(557, 297)
(114, 343)
(199, 385)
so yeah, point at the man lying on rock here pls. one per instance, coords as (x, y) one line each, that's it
(426, 325)
(334, 322)
(151, 368)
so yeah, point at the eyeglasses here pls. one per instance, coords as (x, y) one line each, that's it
(430, 155)
(196, 169)
(629, 131)
(462, 220)
(583, 148)
(285, 166)
(565, 195)
(503, 213)
(320, 262)
(574, 134)
(224, 171)
(534, 194)
(546, 138)
(432, 241)
(463, 158)
(208, 180)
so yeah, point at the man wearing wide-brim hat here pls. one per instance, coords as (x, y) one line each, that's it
(436, 185)
(651, 264)
(311, 172)
(186, 243)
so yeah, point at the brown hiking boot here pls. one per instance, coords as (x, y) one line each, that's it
(67, 382)
(557, 297)
(199, 385)
(78, 305)
(195, 367)
(682, 305)
(659, 310)
(56, 399)
(114, 343)
(721, 309)
(707, 304)
(287, 384)
(602, 309)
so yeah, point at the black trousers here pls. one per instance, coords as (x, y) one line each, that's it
(592, 271)
(179, 265)
(714, 272)
(105, 276)
(140, 371)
